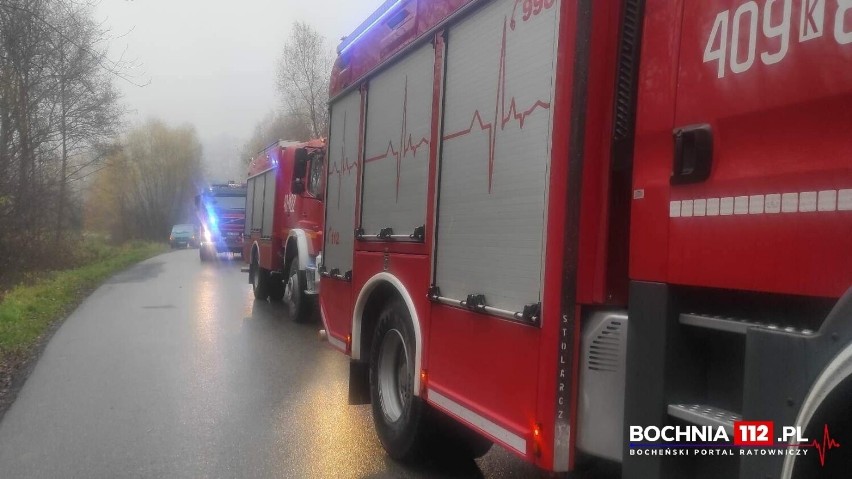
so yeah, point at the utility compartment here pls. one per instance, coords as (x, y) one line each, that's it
(495, 155)
(397, 146)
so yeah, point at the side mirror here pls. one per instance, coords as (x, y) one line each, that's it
(300, 169)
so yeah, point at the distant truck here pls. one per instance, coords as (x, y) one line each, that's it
(221, 211)
(284, 221)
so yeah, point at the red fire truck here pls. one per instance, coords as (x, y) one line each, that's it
(283, 228)
(555, 220)
(220, 211)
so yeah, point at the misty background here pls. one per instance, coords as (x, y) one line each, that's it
(214, 64)
(115, 113)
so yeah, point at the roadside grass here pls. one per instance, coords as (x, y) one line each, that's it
(29, 310)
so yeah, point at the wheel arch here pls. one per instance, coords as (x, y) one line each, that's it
(373, 296)
(299, 239)
(836, 374)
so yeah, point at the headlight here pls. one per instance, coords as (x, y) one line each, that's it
(207, 236)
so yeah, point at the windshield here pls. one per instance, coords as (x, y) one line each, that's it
(227, 202)
(187, 228)
(316, 175)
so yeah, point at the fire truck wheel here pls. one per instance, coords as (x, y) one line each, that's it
(260, 281)
(399, 415)
(294, 293)
(276, 287)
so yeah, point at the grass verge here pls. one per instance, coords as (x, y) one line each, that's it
(26, 312)
(29, 311)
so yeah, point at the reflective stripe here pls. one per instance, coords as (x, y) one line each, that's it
(801, 202)
(337, 343)
(498, 432)
(561, 446)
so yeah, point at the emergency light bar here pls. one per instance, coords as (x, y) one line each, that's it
(377, 17)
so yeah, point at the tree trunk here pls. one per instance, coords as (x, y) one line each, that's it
(26, 157)
(60, 207)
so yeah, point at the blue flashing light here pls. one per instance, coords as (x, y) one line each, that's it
(381, 18)
(212, 220)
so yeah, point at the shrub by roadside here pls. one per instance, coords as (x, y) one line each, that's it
(28, 311)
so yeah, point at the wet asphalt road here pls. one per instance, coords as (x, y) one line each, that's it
(171, 370)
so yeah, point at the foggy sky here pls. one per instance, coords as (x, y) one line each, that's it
(212, 63)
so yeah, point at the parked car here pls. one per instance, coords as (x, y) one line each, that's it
(183, 236)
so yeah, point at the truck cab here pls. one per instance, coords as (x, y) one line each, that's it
(221, 211)
(284, 220)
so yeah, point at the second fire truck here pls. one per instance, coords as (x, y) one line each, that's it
(283, 228)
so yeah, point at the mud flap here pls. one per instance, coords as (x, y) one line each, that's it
(359, 382)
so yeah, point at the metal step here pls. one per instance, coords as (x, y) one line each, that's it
(244, 269)
(733, 325)
(703, 415)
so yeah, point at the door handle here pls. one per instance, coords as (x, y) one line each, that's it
(693, 154)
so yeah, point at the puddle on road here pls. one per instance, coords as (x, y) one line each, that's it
(139, 273)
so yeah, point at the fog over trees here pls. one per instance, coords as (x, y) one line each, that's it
(304, 69)
(63, 140)
(275, 126)
(59, 113)
(303, 75)
(67, 158)
(148, 184)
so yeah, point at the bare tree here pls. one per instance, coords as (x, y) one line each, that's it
(58, 108)
(89, 115)
(273, 127)
(304, 69)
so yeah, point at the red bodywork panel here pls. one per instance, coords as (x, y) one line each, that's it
(292, 211)
(776, 198)
(779, 126)
(486, 364)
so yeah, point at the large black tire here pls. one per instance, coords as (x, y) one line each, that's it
(202, 255)
(260, 281)
(276, 287)
(400, 417)
(298, 307)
